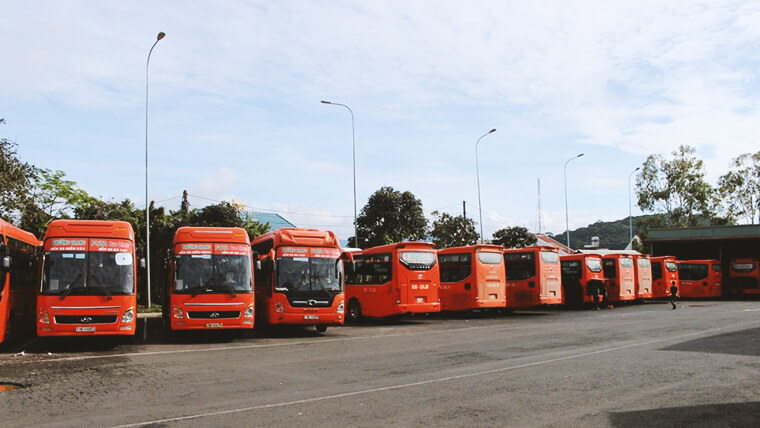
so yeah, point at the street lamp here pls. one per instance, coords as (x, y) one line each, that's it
(147, 202)
(630, 218)
(567, 222)
(477, 172)
(353, 146)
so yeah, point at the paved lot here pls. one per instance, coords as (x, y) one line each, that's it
(642, 365)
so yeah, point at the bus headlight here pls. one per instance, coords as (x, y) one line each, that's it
(44, 318)
(129, 316)
(340, 308)
(248, 312)
(278, 307)
(177, 313)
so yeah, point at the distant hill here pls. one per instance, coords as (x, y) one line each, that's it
(612, 235)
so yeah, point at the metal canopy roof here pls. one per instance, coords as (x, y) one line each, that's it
(702, 233)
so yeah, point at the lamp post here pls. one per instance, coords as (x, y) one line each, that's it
(353, 147)
(567, 221)
(147, 201)
(630, 218)
(477, 173)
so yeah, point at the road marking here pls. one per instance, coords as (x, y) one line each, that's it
(751, 310)
(414, 384)
(269, 345)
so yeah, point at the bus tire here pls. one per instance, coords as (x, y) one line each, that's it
(354, 311)
(321, 328)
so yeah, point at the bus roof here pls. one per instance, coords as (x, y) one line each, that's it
(90, 228)
(7, 229)
(532, 248)
(472, 248)
(297, 236)
(409, 245)
(236, 235)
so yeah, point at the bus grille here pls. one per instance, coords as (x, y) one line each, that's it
(213, 315)
(85, 319)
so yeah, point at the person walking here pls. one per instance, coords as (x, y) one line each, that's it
(673, 294)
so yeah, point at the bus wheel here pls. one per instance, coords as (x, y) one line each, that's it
(321, 328)
(354, 311)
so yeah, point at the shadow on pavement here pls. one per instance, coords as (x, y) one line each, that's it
(707, 415)
(743, 342)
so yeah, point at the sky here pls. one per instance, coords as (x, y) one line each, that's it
(234, 93)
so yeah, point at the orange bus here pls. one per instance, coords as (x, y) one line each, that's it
(643, 276)
(301, 278)
(582, 279)
(87, 279)
(18, 272)
(744, 276)
(664, 274)
(699, 278)
(472, 277)
(533, 277)
(393, 280)
(210, 280)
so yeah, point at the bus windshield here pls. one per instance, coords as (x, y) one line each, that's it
(743, 267)
(594, 265)
(212, 273)
(490, 258)
(304, 275)
(87, 273)
(417, 260)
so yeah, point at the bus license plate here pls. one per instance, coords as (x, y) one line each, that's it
(85, 329)
(311, 317)
(420, 300)
(214, 325)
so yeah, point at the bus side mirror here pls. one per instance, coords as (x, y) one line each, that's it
(257, 265)
(6, 263)
(143, 265)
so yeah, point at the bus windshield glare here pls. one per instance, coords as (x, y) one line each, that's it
(87, 273)
(207, 273)
(417, 260)
(306, 274)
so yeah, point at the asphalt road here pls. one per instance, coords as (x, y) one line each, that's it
(641, 365)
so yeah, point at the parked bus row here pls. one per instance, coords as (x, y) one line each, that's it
(81, 279)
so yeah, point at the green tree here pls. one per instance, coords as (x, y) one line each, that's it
(677, 189)
(391, 216)
(741, 187)
(15, 181)
(449, 231)
(52, 196)
(514, 237)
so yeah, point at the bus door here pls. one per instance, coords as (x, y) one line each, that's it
(744, 276)
(490, 277)
(550, 280)
(643, 278)
(421, 287)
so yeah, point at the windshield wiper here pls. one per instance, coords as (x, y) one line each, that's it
(105, 289)
(227, 284)
(194, 291)
(315, 281)
(71, 286)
